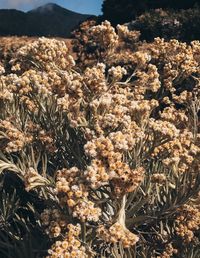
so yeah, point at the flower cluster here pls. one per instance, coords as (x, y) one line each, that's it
(126, 35)
(158, 178)
(105, 35)
(116, 233)
(75, 194)
(108, 166)
(187, 222)
(54, 221)
(15, 139)
(70, 246)
(44, 53)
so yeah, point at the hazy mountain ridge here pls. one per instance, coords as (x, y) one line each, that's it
(47, 20)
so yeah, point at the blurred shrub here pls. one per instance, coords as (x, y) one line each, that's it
(121, 11)
(183, 25)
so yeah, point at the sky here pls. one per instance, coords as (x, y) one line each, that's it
(79, 6)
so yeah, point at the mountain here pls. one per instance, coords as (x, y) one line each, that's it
(47, 20)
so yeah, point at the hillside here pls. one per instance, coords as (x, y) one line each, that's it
(47, 20)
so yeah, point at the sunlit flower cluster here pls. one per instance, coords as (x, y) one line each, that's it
(116, 233)
(15, 139)
(70, 246)
(75, 194)
(44, 53)
(187, 222)
(127, 35)
(105, 32)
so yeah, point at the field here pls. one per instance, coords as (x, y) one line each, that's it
(8, 45)
(99, 146)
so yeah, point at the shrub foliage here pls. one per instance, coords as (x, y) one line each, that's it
(101, 158)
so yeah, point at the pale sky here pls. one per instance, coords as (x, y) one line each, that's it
(80, 6)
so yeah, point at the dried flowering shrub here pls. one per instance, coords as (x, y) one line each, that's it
(81, 41)
(9, 46)
(94, 42)
(111, 149)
